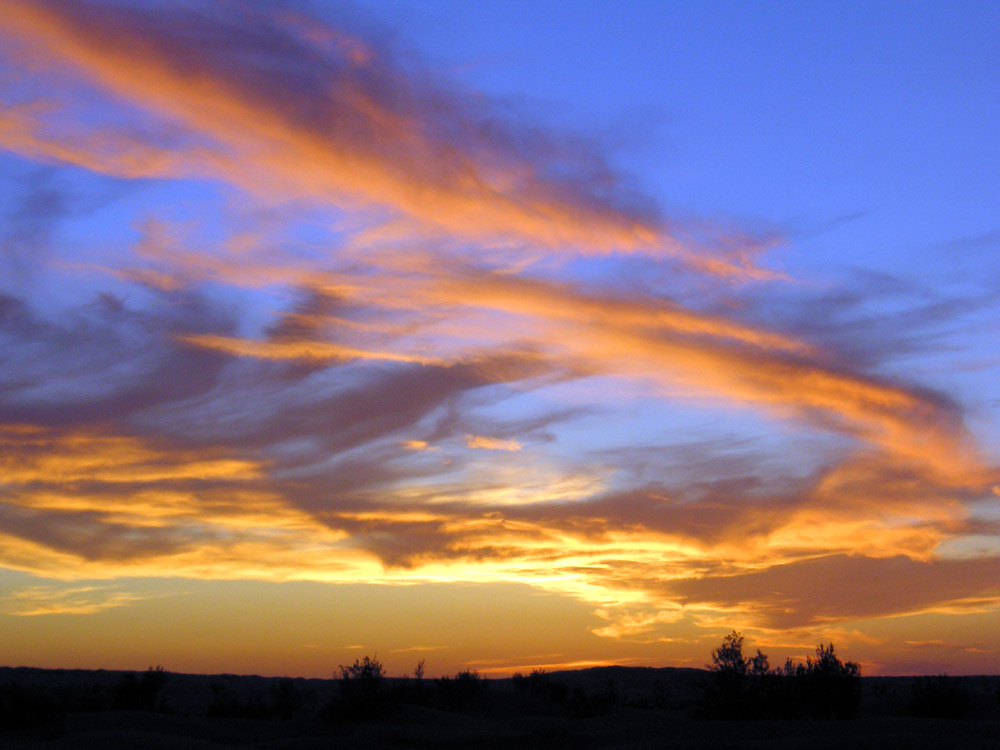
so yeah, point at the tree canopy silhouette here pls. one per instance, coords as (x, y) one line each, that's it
(728, 659)
(747, 688)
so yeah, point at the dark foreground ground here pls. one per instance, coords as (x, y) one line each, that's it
(599, 708)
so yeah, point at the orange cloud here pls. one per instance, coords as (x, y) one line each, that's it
(301, 350)
(645, 571)
(406, 515)
(417, 445)
(484, 442)
(24, 130)
(349, 130)
(703, 355)
(34, 455)
(636, 336)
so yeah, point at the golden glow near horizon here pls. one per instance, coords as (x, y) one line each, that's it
(358, 339)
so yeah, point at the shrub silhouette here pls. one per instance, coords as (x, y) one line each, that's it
(362, 688)
(461, 692)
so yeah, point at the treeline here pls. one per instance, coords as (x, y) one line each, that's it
(735, 687)
(366, 693)
(742, 688)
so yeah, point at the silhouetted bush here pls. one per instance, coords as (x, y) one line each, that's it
(462, 692)
(519, 681)
(362, 689)
(140, 694)
(939, 697)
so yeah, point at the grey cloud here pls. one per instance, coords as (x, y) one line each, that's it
(841, 587)
(102, 362)
(92, 536)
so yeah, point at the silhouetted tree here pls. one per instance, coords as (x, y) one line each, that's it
(416, 694)
(830, 687)
(747, 688)
(759, 665)
(727, 659)
(728, 696)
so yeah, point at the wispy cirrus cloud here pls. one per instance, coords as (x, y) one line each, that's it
(270, 107)
(650, 339)
(81, 600)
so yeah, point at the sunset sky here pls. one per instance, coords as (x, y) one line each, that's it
(502, 335)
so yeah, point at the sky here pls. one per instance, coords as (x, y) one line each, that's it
(499, 335)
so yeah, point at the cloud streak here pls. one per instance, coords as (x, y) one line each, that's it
(80, 600)
(322, 120)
